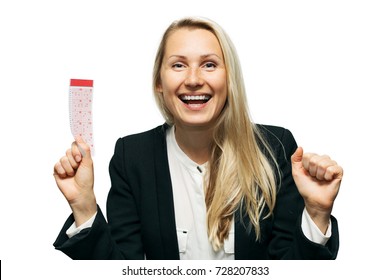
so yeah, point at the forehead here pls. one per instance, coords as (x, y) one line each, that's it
(186, 41)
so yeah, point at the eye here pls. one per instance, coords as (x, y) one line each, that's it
(178, 65)
(210, 65)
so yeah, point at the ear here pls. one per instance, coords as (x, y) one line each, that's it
(159, 87)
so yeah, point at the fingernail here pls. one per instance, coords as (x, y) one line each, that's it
(78, 158)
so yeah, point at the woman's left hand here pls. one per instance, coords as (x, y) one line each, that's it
(318, 180)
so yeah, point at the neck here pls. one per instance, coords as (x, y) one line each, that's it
(195, 142)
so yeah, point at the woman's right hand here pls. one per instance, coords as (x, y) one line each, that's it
(74, 177)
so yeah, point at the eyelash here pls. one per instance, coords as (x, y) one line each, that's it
(177, 65)
(211, 64)
(207, 65)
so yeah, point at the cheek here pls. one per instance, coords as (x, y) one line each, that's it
(170, 83)
(220, 87)
(219, 82)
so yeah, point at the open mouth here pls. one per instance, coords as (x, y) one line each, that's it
(195, 99)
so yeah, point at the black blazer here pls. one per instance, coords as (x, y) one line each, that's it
(140, 210)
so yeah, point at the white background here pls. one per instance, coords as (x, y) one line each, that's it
(319, 68)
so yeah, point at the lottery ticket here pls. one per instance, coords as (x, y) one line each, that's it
(80, 110)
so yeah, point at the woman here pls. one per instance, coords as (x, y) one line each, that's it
(208, 184)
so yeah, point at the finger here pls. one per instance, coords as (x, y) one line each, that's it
(82, 151)
(323, 164)
(320, 170)
(313, 167)
(309, 161)
(333, 172)
(318, 164)
(69, 171)
(83, 147)
(71, 159)
(59, 170)
(297, 156)
(306, 158)
(75, 151)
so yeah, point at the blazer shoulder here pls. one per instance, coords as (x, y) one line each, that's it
(148, 135)
(276, 134)
(279, 139)
(141, 146)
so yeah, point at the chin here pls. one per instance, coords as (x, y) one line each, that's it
(195, 122)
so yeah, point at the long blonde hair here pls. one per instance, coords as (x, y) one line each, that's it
(240, 176)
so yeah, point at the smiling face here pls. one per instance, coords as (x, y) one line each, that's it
(193, 77)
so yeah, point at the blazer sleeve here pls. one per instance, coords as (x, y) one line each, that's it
(287, 238)
(121, 238)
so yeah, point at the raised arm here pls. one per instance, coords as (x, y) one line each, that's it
(74, 177)
(318, 180)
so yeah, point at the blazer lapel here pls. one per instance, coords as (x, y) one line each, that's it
(165, 196)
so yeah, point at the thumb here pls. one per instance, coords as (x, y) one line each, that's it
(84, 148)
(297, 156)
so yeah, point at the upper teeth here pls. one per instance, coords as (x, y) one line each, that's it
(195, 97)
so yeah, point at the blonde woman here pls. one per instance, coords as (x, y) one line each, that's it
(208, 184)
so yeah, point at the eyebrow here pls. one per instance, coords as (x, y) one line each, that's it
(202, 56)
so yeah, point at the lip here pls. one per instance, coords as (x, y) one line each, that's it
(190, 94)
(195, 98)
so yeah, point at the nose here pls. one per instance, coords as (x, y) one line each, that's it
(194, 78)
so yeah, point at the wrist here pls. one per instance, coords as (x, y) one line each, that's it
(83, 211)
(320, 218)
